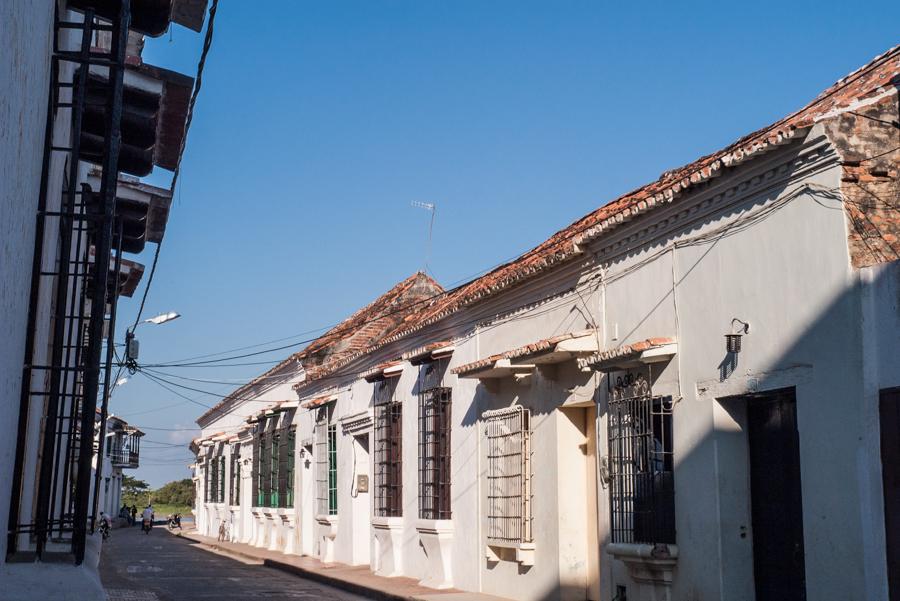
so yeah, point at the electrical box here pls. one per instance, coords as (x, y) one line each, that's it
(132, 348)
(362, 483)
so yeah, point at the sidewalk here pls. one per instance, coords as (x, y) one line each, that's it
(358, 580)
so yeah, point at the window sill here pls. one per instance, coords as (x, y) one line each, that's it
(384, 523)
(424, 526)
(498, 550)
(651, 564)
(327, 519)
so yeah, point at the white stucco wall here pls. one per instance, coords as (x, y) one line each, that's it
(764, 244)
(25, 45)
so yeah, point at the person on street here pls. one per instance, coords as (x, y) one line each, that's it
(133, 514)
(147, 519)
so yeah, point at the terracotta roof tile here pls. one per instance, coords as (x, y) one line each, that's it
(881, 73)
(364, 328)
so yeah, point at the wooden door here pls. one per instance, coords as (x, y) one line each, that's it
(776, 499)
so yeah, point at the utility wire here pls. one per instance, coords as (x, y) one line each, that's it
(198, 82)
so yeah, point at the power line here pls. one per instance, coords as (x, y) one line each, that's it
(198, 82)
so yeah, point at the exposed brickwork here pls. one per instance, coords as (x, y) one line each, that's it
(867, 139)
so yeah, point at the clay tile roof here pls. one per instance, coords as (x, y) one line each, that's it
(623, 352)
(318, 402)
(477, 365)
(881, 74)
(382, 317)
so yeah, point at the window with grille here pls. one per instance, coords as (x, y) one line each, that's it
(274, 463)
(326, 461)
(509, 518)
(206, 481)
(261, 473)
(235, 492)
(434, 442)
(642, 491)
(289, 471)
(388, 450)
(220, 496)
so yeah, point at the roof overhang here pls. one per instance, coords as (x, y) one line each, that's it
(128, 277)
(391, 369)
(143, 209)
(645, 352)
(154, 109)
(430, 352)
(557, 349)
(524, 359)
(149, 17)
(318, 402)
(496, 366)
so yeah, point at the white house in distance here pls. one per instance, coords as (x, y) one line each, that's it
(655, 403)
(122, 451)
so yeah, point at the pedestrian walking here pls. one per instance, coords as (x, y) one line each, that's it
(133, 514)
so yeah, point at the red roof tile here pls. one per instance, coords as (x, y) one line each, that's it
(382, 317)
(880, 74)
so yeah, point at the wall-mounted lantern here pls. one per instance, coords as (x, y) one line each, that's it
(733, 339)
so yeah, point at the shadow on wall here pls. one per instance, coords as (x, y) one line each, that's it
(838, 543)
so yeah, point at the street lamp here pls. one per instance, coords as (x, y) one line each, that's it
(132, 348)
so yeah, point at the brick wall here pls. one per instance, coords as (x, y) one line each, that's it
(868, 141)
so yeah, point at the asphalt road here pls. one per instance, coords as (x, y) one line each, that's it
(161, 567)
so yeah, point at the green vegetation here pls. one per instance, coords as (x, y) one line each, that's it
(174, 497)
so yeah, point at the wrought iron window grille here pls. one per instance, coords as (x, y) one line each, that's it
(326, 460)
(434, 442)
(388, 450)
(235, 491)
(641, 471)
(509, 494)
(63, 383)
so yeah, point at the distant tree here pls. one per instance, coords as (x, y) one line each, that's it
(178, 492)
(134, 491)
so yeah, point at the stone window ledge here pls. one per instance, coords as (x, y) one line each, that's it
(384, 523)
(524, 552)
(424, 526)
(651, 564)
(327, 519)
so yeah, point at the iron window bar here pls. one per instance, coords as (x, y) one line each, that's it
(434, 442)
(642, 493)
(509, 494)
(388, 450)
(59, 518)
(326, 460)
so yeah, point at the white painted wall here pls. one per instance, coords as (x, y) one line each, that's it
(781, 264)
(25, 44)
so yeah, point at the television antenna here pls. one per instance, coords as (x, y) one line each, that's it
(430, 207)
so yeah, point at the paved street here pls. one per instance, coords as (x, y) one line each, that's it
(162, 567)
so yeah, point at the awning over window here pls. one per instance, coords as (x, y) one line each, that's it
(318, 402)
(391, 369)
(150, 17)
(651, 350)
(143, 209)
(128, 278)
(556, 349)
(430, 352)
(154, 108)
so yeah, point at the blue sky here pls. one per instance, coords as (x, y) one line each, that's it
(320, 122)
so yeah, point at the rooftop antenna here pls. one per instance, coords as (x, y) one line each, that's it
(430, 207)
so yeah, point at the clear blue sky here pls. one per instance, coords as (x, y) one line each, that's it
(319, 123)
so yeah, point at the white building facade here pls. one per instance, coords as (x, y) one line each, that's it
(690, 393)
(80, 111)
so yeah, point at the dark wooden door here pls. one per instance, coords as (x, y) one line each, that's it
(776, 501)
(890, 472)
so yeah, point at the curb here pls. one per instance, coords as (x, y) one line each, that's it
(315, 575)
